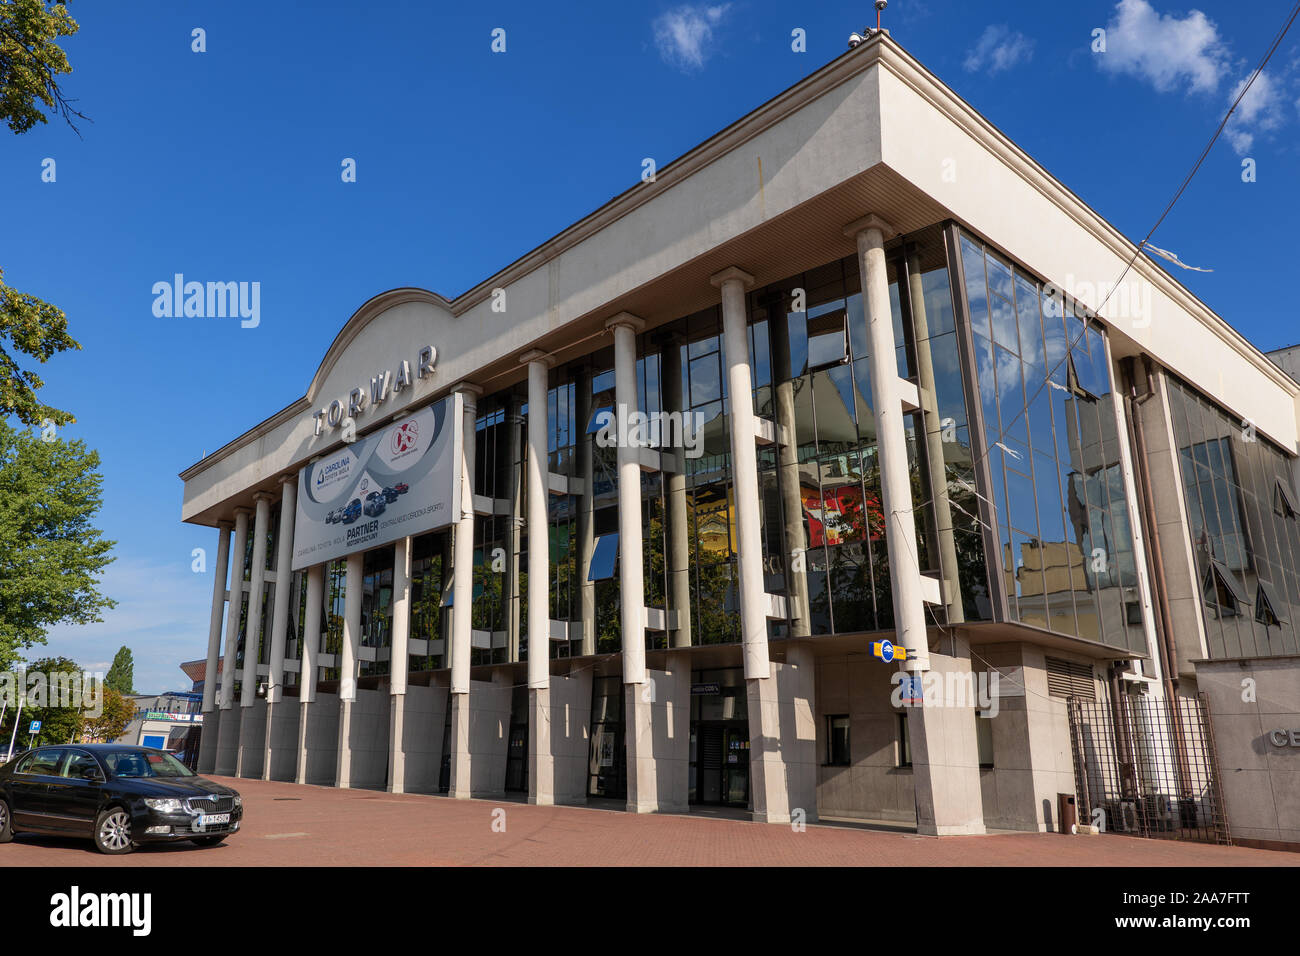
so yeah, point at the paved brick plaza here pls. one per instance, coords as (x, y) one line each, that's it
(321, 826)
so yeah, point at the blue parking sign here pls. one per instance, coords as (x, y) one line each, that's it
(35, 727)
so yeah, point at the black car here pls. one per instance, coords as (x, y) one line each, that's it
(118, 796)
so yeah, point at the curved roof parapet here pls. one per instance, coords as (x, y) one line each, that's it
(369, 310)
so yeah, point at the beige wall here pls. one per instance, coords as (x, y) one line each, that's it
(873, 786)
(1260, 780)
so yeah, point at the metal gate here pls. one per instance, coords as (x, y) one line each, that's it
(1147, 767)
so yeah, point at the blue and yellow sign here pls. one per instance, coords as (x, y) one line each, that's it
(888, 652)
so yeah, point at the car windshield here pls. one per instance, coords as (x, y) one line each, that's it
(144, 763)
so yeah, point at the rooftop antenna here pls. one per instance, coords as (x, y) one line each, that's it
(857, 38)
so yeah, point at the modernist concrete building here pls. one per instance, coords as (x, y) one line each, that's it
(924, 416)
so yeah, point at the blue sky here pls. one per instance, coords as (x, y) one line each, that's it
(225, 165)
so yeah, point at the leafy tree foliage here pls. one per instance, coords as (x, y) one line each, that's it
(111, 724)
(31, 62)
(31, 327)
(51, 555)
(121, 676)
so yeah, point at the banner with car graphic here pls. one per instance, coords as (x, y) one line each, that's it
(398, 481)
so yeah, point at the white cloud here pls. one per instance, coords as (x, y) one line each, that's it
(1188, 53)
(162, 615)
(1000, 48)
(1260, 111)
(684, 35)
(1166, 51)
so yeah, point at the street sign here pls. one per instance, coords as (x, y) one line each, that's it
(888, 651)
(35, 728)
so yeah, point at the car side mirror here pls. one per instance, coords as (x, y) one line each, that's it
(91, 774)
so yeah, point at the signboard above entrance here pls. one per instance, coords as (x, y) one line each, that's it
(399, 481)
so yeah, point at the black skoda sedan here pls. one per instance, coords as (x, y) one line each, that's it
(118, 796)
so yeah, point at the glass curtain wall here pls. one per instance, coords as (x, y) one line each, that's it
(603, 571)
(1241, 512)
(376, 610)
(335, 598)
(1065, 544)
(430, 581)
(500, 593)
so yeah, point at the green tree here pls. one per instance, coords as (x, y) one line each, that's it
(38, 329)
(111, 723)
(51, 555)
(59, 724)
(31, 62)
(121, 676)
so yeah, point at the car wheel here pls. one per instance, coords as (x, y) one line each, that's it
(6, 823)
(209, 840)
(113, 832)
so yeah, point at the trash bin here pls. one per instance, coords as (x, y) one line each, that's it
(1066, 812)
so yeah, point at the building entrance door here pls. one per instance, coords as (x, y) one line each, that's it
(722, 763)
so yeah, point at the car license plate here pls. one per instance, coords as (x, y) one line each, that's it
(206, 820)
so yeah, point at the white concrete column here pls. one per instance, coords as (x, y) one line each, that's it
(232, 617)
(353, 585)
(462, 608)
(891, 435)
(257, 584)
(945, 761)
(744, 469)
(283, 590)
(348, 665)
(311, 634)
(308, 664)
(630, 559)
(539, 547)
(463, 554)
(398, 664)
(541, 761)
(218, 611)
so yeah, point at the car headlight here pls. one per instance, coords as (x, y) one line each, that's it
(163, 804)
(239, 801)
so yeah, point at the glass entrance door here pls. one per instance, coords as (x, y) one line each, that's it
(722, 763)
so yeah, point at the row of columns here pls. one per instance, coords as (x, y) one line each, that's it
(770, 785)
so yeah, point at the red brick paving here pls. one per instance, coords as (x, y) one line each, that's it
(289, 825)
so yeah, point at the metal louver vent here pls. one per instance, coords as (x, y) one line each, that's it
(1069, 679)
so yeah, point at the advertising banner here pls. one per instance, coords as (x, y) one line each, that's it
(398, 481)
